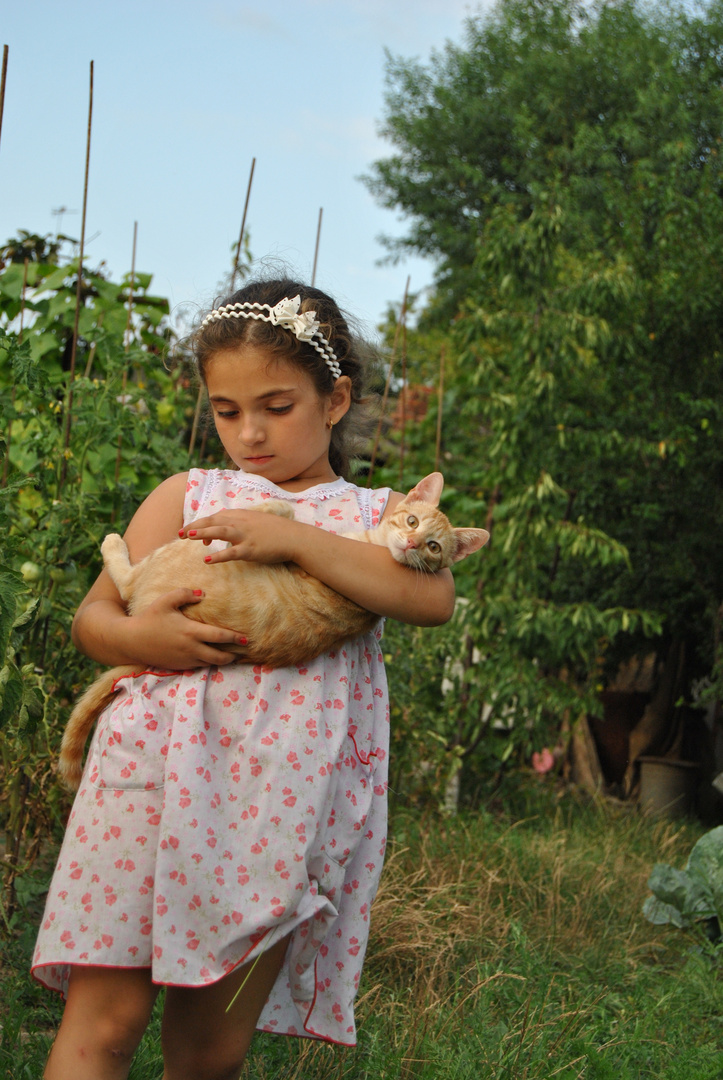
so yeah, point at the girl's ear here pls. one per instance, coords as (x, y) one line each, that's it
(427, 490)
(340, 398)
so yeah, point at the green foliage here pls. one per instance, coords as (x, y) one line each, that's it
(563, 165)
(78, 456)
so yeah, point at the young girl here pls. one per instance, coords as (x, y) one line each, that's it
(228, 835)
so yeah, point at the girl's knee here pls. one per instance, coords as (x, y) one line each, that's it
(108, 1010)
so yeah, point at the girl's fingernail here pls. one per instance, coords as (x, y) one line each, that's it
(192, 532)
(180, 533)
(206, 558)
(243, 641)
(198, 592)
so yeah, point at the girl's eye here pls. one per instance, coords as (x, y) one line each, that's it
(412, 522)
(279, 410)
(226, 413)
(434, 547)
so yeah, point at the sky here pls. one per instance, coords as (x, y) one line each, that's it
(186, 95)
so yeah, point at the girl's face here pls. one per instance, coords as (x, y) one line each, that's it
(269, 415)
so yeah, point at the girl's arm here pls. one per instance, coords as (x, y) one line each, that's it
(162, 636)
(365, 573)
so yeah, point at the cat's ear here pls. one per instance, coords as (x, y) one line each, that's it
(427, 490)
(467, 541)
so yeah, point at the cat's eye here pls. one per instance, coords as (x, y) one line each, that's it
(412, 522)
(434, 547)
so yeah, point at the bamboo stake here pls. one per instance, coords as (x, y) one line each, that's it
(440, 398)
(196, 418)
(124, 381)
(3, 79)
(234, 272)
(316, 249)
(377, 434)
(78, 292)
(243, 226)
(9, 435)
(403, 397)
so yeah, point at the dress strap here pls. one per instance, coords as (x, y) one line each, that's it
(365, 498)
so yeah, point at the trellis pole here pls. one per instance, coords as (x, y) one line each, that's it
(78, 297)
(385, 396)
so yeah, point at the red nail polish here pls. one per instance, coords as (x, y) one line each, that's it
(243, 641)
(198, 592)
(192, 532)
(180, 533)
(206, 558)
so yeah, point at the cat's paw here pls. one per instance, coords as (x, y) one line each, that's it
(113, 545)
(276, 506)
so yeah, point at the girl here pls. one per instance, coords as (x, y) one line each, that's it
(227, 838)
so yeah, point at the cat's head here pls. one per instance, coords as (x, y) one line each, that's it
(421, 536)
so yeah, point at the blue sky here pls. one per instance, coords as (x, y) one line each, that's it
(185, 95)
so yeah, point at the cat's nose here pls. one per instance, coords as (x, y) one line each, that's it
(411, 543)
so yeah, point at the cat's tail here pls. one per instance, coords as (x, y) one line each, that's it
(81, 720)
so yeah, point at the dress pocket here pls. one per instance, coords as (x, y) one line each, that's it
(132, 735)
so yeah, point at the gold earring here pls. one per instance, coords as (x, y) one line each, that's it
(329, 424)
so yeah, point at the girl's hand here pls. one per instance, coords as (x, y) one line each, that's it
(254, 536)
(162, 636)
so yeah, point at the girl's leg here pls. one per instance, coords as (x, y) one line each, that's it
(105, 1015)
(201, 1041)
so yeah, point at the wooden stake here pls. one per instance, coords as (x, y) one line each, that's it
(196, 418)
(440, 400)
(243, 226)
(124, 381)
(78, 292)
(3, 79)
(316, 249)
(404, 404)
(377, 434)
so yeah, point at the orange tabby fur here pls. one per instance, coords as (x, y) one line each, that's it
(287, 616)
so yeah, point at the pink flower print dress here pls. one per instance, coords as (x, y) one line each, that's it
(223, 809)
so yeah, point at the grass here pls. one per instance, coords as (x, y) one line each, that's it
(505, 946)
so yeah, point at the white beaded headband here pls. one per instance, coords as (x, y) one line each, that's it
(304, 326)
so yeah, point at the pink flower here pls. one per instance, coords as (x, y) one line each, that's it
(544, 761)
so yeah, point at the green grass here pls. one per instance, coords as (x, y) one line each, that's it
(506, 945)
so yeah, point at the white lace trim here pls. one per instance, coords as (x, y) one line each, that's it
(218, 477)
(215, 478)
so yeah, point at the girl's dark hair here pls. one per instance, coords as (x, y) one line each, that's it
(353, 354)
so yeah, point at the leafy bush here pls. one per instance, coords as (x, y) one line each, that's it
(80, 450)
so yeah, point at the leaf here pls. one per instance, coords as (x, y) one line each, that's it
(706, 865)
(11, 586)
(11, 694)
(679, 890)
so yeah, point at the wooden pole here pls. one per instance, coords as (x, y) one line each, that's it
(377, 434)
(3, 80)
(78, 293)
(237, 257)
(440, 399)
(316, 249)
(124, 381)
(404, 405)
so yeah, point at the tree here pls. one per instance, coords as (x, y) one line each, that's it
(564, 168)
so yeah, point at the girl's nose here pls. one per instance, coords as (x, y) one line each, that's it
(251, 432)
